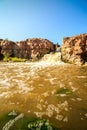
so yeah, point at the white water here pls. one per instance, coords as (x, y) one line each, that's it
(52, 57)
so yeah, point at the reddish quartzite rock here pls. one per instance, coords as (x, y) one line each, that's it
(30, 49)
(74, 49)
(39, 47)
(7, 47)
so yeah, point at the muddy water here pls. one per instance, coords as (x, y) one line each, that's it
(55, 91)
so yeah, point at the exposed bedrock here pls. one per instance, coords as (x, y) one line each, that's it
(30, 48)
(74, 49)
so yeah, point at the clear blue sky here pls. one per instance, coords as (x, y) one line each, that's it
(50, 19)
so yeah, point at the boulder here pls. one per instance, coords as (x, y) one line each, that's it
(39, 47)
(7, 47)
(74, 49)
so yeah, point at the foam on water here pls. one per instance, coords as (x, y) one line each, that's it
(31, 88)
(9, 80)
(52, 57)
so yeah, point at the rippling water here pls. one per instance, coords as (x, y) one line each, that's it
(53, 90)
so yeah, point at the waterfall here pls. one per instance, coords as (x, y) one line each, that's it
(52, 57)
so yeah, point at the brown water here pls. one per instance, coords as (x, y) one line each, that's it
(52, 90)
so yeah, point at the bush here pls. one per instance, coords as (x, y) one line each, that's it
(13, 59)
(16, 59)
(6, 57)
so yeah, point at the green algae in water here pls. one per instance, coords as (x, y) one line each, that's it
(5, 118)
(63, 91)
(11, 121)
(41, 124)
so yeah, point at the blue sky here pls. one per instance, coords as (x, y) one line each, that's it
(50, 19)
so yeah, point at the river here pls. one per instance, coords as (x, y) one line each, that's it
(53, 90)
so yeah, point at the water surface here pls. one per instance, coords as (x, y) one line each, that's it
(51, 90)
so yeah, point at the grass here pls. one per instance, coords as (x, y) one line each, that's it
(15, 59)
(7, 58)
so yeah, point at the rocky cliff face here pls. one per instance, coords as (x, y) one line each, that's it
(74, 49)
(30, 49)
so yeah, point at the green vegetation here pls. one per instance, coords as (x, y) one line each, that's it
(7, 58)
(6, 39)
(16, 59)
(40, 124)
(64, 91)
(13, 121)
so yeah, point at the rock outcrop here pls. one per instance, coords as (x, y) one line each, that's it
(30, 48)
(74, 49)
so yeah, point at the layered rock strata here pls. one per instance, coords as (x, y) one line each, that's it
(74, 49)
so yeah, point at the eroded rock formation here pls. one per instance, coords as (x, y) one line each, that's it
(74, 49)
(29, 49)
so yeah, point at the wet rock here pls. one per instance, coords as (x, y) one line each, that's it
(74, 49)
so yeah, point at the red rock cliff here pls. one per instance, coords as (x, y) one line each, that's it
(74, 49)
(30, 49)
